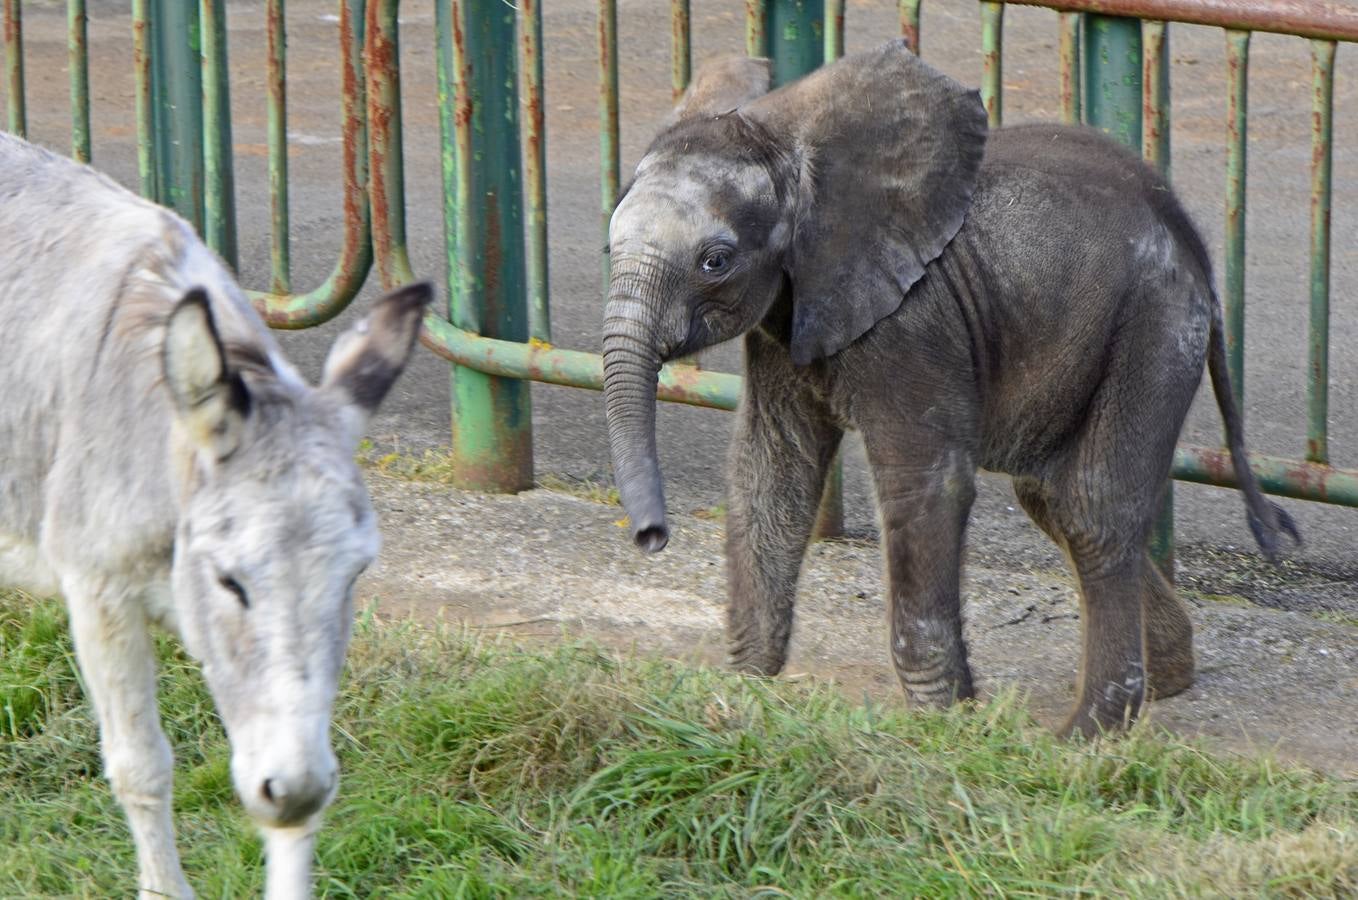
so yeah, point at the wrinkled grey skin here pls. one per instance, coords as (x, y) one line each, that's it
(1036, 303)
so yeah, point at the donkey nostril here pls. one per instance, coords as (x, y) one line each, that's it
(267, 790)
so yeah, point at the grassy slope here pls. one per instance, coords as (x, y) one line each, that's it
(475, 769)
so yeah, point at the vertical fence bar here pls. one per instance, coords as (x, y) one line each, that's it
(1112, 77)
(78, 59)
(276, 77)
(386, 156)
(1322, 156)
(1155, 95)
(681, 53)
(345, 280)
(794, 32)
(796, 41)
(1070, 67)
(141, 64)
(910, 24)
(177, 60)
(681, 73)
(219, 189)
(608, 117)
(535, 169)
(492, 417)
(756, 27)
(14, 68)
(451, 105)
(834, 29)
(1155, 111)
(1237, 118)
(992, 46)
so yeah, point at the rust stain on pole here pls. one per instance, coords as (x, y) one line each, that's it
(1070, 67)
(756, 24)
(909, 10)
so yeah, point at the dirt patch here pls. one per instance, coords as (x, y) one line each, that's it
(545, 563)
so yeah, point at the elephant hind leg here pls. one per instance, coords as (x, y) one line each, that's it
(1169, 635)
(1116, 579)
(1168, 629)
(1110, 686)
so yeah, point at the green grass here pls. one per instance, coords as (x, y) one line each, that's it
(480, 769)
(437, 466)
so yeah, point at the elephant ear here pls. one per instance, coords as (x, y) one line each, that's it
(888, 151)
(720, 85)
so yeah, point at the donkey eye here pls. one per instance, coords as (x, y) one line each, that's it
(232, 585)
(716, 261)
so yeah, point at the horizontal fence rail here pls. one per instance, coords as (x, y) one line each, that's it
(515, 346)
(1327, 20)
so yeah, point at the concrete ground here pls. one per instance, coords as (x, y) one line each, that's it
(1279, 658)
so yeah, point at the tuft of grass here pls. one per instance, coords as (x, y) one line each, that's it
(593, 490)
(715, 513)
(437, 466)
(478, 768)
(37, 680)
(1337, 617)
(1220, 599)
(431, 465)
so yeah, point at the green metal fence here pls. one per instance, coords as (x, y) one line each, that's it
(496, 328)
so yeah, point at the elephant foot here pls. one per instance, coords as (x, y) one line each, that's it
(1090, 724)
(1107, 705)
(749, 662)
(931, 690)
(1166, 681)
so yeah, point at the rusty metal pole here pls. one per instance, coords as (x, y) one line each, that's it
(492, 416)
(791, 33)
(794, 37)
(1115, 102)
(78, 58)
(1112, 58)
(219, 188)
(17, 119)
(177, 79)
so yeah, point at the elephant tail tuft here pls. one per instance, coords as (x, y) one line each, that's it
(1267, 519)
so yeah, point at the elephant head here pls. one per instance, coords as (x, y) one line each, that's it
(835, 190)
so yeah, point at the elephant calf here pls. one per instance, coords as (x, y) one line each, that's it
(1037, 304)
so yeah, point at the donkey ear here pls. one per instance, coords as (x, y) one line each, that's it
(367, 359)
(211, 401)
(721, 84)
(889, 151)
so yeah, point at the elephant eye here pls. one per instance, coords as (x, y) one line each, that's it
(716, 261)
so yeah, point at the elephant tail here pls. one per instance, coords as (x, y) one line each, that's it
(1267, 519)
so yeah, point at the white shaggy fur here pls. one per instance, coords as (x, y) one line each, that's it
(160, 462)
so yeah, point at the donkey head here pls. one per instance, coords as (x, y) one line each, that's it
(275, 528)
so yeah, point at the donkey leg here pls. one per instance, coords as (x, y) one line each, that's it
(287, 855)
(113, 647)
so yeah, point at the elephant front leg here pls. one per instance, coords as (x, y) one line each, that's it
(783, 447)
(924, 508)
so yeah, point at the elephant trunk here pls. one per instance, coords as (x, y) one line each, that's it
(631, 367)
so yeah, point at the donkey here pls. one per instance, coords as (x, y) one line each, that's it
(161, 462)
